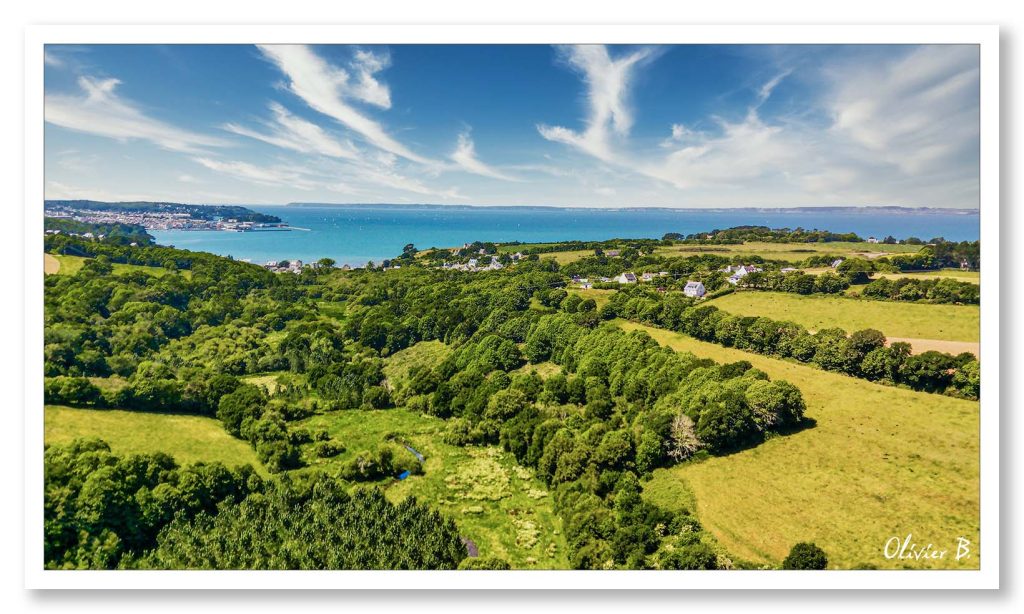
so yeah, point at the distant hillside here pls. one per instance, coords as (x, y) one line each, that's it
(116, 232)
(200, 212)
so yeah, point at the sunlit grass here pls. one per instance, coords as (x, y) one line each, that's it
(880, 462)
(189, 439)
(895, 319)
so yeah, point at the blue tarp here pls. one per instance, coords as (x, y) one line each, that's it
(403, 475)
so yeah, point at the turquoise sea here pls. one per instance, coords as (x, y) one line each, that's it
(355, 234)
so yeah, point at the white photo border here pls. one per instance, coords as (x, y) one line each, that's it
(985, 36)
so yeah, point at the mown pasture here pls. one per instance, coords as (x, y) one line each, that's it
(879, 462)
(189, 439)
(895, 319)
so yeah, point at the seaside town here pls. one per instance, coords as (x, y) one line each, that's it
(155, 219)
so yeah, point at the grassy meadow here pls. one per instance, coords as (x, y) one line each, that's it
(880, 462)
(189, 439)
(790, 252)
(495, 502)
(60, 264)
(973, 277)
(895, 319)
(601, 297)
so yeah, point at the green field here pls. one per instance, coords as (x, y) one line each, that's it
(427, 354)
(69, 265)
(895, 319)
(601, 297)
(189, 439)
(973, 277)
(880, 462)
(495, 502)
(790, 252)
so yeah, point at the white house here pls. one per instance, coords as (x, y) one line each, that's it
(872, 240)
(694, 289)
(626, 278)
(647, 276)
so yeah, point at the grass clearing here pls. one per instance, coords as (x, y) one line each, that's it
(427, 354)
(189, 439)
(266, 380)
(568, 256)
(973, 277)
(601, 297)
(896, 319)
(790, 252)
(544, 369)
(881, 461)
(495, 502)
(60, 264)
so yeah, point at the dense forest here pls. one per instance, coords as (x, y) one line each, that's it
(619, 406)
(611, 407)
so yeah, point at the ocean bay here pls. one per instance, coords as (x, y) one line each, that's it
(356, 234)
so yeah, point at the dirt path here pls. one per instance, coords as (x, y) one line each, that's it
(952, 347)
(50, 264)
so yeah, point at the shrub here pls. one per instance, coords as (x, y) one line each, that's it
(727, 424)
(805, 556)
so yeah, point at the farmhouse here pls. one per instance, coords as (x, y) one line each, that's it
(694, 289)
(626, 278)
(872, 240)
(612, 253)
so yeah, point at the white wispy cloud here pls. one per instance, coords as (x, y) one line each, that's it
(902, 131)
(100, 110)
(291, 132)
(465, 157)
(916, 112)
(328, 89)
(607, 82)
(366, 87)
(264, 175)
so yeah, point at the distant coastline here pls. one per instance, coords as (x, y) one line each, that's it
(850, 209)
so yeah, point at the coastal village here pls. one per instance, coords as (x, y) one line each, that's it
(157, 220)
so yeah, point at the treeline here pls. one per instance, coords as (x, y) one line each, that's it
(103, 511)
(943, 290)
(124, 234)
(199, 212)
(637, 245)
(863, 353)
(762, 234)
(937, 255)
(795, 281)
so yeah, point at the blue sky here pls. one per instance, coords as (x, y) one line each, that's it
(600, 126)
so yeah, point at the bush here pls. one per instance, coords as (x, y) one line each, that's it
(726, 425)
(693, 556)
(805, 556)
(327, 449)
